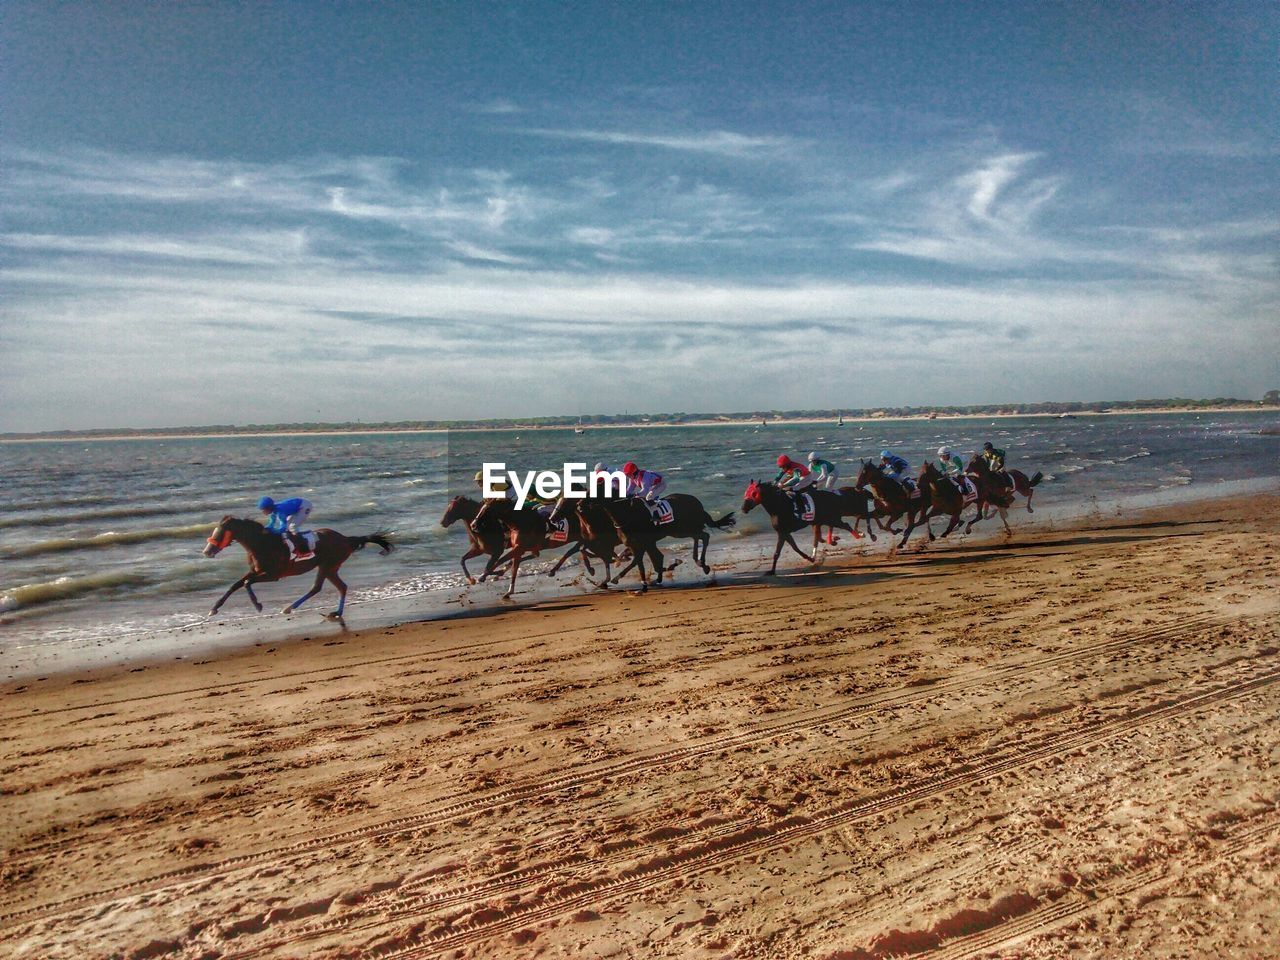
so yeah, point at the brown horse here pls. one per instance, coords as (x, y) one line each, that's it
(945, 499)
(992, 491)
(829, 510)
(490, 538)
(269, 559)
(637, 529)
(599, 536)
(894, 499)
(1013, 481)
(529, 534)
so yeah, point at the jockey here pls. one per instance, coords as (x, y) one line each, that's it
(645, 484)
(994, 457)
(953, 467)
(502, 485)
(792, 476)
(283, 518)
(825, 474)
(895, 468)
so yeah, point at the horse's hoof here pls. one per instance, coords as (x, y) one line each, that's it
(213, 613)
(288, 609)
(471, 580)
(705, 568)
(258, 607)
(333, 616)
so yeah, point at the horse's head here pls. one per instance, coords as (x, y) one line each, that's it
(221, 537)
(495, 507)
(868, 473)
(977, 464)
(929, 471)
(753, 496)
(457, 510)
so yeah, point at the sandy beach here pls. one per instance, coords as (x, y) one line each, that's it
(1062, 745)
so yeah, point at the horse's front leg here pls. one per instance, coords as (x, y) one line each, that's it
(791, 540)
(475, 551)
(320, 575)
(516, 556)
(242, 582)
(636, 556)
(955, 522)
(567, 554)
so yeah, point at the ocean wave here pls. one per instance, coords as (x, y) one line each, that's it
(63, 588)
(111, 538)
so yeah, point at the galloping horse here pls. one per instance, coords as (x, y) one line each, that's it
(992, 491)
(269, 559)
(489, 538)
(636, 528)
(529, 535)
(829, 510)
(945, 499)
(599, 536)
(1011, 481)
(894, 499)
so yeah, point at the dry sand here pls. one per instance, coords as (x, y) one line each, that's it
(1063, 746)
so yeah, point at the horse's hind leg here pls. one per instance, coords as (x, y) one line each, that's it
(320, 575)
(342, 596)
(706, 542)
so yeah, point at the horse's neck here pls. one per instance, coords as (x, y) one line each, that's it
(253, 537)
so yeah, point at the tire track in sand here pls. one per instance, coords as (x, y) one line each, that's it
(681, 864)
(460, 805)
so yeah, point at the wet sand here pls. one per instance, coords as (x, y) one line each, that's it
(1064, 745)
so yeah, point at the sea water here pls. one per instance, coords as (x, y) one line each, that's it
(100, 541)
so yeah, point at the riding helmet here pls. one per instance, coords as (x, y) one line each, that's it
(266, 503)
(812, 456)
(630, 469)
(944, 453)
(784, 461)
(884, 454)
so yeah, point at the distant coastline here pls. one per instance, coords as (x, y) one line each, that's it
(615, 422)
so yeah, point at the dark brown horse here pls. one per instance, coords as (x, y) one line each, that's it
(1013, 481)
(945, 499)
(828, 511)
(490, 538)
(992, 491)
(636, 528)
(893, 498)
(529, 534)
(269, 559)
(599, 535)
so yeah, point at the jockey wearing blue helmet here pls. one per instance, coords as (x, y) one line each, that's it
(284, 518)
(894, 466)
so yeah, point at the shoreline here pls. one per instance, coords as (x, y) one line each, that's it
(81, 438)
(232, 636)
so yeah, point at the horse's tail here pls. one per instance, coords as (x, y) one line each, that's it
(382, 538)
(726, 521)
(1036, 479)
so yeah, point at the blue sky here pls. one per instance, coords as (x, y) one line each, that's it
(221, 212)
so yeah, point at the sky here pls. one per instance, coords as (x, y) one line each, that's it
(218, 213)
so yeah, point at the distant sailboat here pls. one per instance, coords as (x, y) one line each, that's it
(840, 422)
(579, 428)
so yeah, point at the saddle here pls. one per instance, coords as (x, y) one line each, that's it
(966, 487)
(301, 546)
(909, 485)
(661, 511)
(805, 509)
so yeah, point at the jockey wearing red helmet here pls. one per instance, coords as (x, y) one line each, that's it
(791, 475)
(645, 484)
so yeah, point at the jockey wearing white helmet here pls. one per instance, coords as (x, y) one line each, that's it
(824, 472)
